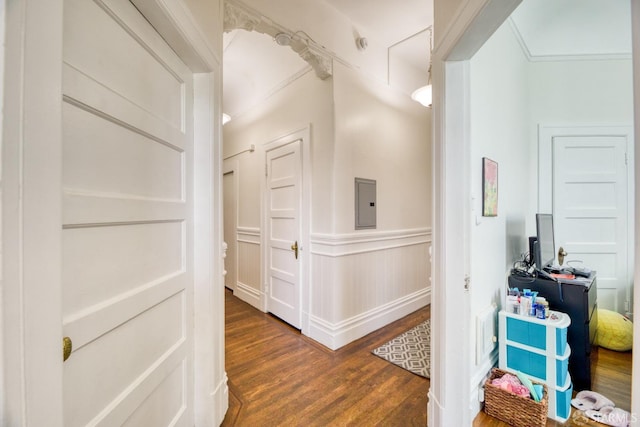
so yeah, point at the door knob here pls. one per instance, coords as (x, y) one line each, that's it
(561, 254)
(294, 248)
(67, 346)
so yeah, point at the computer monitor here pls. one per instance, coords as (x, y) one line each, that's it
(545, 252)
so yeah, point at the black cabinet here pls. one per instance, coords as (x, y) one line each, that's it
(579, 299)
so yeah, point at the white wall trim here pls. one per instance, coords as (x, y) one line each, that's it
(31, 241)
(358, 243)
(249, 294)
(470, 27)
(248, 235)
(478, 379)
(179, 29)
(220, 397)
(176, 24)
(635, 29)
(336, 335)
(244, 291)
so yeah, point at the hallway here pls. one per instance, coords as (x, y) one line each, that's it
(277, 377)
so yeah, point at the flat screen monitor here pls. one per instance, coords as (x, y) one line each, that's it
(545, 240)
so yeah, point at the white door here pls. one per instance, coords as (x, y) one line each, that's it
(283, 198)
(230, 228)
(590, 202)
(127, 266)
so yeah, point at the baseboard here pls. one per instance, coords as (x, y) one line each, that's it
(249, 295)
(220, 399)
(340, 334)
(434, 411)
(477, 381)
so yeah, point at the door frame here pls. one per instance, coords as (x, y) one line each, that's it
(231, 168)
(31, 184)
(546, 133)
(304, 136)
(455, 45)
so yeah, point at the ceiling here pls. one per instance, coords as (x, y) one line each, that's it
(255, 66)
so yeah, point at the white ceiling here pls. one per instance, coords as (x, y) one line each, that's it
(570, 28)
(255, 66)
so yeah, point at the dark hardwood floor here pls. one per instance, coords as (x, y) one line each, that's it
(278, 377)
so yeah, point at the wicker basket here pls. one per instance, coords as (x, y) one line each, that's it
(513, 409)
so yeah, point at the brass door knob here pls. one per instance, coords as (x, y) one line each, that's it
(561, 254)
(294, 248)
(67, 346)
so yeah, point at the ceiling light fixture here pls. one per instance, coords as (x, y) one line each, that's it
(283, 39)
(424, 94)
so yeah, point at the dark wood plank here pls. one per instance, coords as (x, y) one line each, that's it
(279, 377)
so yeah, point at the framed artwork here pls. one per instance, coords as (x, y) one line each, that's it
(489, 187)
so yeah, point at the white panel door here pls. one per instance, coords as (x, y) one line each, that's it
(590, 210)
(283, 234)
(230, 230)
(126, 233)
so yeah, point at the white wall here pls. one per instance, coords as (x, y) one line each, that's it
(593, 92)
(499, 130)
(364, 279)
(381, 134)
(359, 281)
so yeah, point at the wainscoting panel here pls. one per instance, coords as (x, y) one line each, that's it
(249, 261)
(363, 281)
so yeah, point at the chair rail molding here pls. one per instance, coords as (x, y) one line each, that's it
(336, 245)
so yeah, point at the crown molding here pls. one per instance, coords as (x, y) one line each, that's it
(240, 16)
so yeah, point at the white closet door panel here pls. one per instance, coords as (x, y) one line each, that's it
(157, 408)
(127, 265)
(103, 157)
(95, 321)
(101, 263)
(82, 208)
(131, 354)
(86, 93)
(107, 50)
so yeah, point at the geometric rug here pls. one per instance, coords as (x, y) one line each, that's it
(411, 350)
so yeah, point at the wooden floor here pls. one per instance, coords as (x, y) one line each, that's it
(277, 377)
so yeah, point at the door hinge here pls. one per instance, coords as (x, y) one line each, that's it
(626, 158)
(467, 282)
(266, 169)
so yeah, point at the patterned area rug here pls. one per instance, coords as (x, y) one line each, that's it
(410, 350)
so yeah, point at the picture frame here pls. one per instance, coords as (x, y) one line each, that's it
(489, 187)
